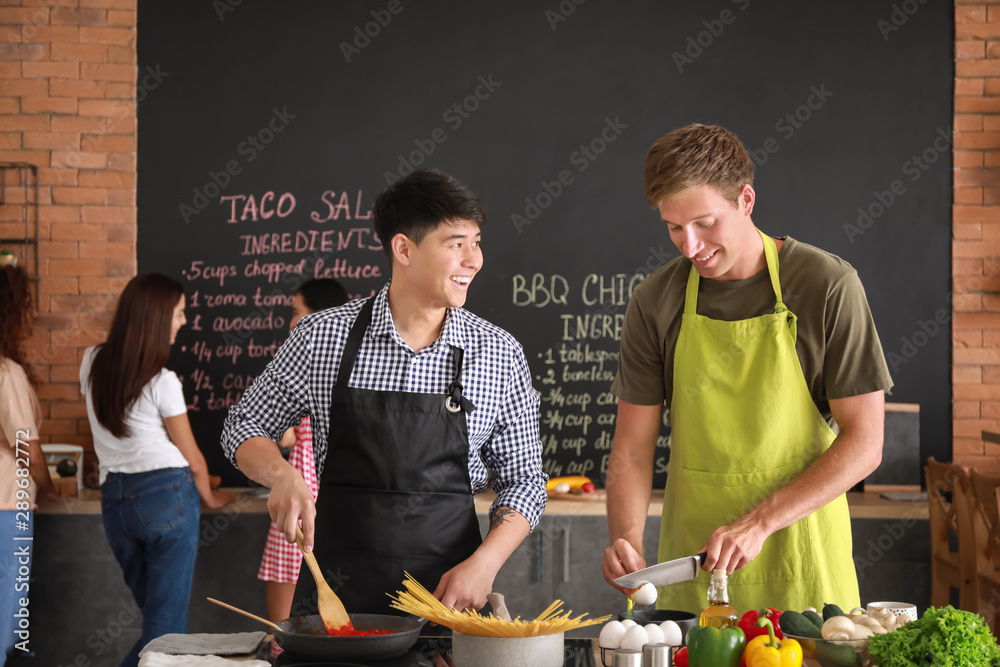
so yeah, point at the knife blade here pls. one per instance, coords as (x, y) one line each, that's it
(662, 574)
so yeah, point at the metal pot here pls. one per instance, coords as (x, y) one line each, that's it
(305, 637)
(472, 651)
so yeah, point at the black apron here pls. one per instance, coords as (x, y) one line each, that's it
(395, 493)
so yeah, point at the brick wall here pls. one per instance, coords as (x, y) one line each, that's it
(976, 229)
(67, 91)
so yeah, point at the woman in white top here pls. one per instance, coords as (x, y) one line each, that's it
(152, 471)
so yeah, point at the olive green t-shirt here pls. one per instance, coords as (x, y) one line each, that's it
(837, 345)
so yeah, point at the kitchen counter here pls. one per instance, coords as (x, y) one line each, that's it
(74, 568)
(863, 505)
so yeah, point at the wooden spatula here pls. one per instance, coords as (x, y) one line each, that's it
(331, 609)
(246, 613)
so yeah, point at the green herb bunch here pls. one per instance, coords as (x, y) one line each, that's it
(943, 637)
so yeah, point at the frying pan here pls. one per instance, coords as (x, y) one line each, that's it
(305, 637)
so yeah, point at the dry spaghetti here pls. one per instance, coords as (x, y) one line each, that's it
(418, 600)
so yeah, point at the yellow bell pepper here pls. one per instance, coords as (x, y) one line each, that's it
(574, 482)
(766, 651)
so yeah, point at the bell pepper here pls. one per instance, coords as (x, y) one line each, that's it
(715, 647)
(767, 651)
(746, 624)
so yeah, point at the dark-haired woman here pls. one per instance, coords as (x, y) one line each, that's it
(22, 464)
(152, 472)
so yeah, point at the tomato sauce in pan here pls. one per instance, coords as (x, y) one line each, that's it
(350, 631)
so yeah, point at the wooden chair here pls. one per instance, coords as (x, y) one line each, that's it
(985, 516)
(949, 568)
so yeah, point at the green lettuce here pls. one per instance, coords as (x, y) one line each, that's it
(943, 637)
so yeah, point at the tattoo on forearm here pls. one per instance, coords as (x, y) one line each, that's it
(500, 516)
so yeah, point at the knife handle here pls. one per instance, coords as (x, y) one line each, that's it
(701, 557)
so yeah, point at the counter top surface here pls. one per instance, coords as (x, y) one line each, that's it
(866, 505)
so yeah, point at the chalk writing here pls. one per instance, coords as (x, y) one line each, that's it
(574, 372)
(265, 211)
(264, 245)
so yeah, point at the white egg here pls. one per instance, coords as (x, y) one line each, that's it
(628, 623)
(671, 633)
(654, 633)
(561, 487)
(635, 638)
(645, 595)
(611, 635)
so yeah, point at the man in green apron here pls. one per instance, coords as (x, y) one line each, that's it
(758, 346)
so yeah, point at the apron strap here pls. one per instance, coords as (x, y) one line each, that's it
(455, 401)
(770, 254)
(353, 343)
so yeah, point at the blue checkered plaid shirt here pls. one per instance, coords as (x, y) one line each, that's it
(503, 429)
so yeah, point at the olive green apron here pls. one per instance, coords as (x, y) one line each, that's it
(743, 426)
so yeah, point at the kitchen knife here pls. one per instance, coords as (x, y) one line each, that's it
(661, 574)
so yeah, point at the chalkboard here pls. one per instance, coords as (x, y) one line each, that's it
(267, 128)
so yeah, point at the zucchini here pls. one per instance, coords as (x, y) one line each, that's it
(831, 610)
(814, 617)
(836, 655)
(794, 623)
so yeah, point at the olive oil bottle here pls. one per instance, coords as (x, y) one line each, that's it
(718, 613)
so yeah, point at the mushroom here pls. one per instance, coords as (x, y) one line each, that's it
(838, 627)
(868, 621)
(885, 617)
(863, 631)
(858, 611)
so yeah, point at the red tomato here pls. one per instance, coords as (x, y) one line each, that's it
(588, 487)
(681, 658)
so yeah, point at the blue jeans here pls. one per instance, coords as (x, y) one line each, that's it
(14, 573)
(151, 520)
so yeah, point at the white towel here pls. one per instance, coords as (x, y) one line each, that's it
(153, 659)
(238, 643)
